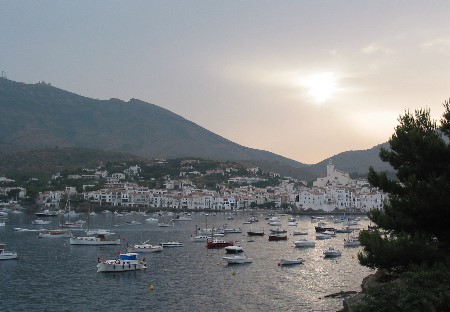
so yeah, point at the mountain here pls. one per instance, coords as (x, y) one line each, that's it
(40, 116)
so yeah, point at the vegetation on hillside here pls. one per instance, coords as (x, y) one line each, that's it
(412, 238)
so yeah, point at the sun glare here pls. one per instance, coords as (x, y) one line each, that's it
(321, 86)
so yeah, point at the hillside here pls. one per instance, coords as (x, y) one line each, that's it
(38, 116)
(41, 117)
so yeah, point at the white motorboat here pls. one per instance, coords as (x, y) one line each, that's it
(171, 244)
(234, 249)
(329, 232)
(6, 255)
(331, 253)
(99, 231)
(290, 261)
(232, 231)
(352, 242)
(126, 262)
(301, 232)
(304, 243)
(40, 222)
(200, 238)
(237, 259)
(292, 223)
(275, 223)
(2, 223)
(55, 234)
(161, 224)
(99, 239)
(144, 247)
(149, 220)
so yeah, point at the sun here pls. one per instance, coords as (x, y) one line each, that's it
(321, 86)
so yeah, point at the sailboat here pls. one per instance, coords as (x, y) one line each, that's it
(69, 224)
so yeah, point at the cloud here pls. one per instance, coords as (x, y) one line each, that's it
(439, 45)
(376, 48)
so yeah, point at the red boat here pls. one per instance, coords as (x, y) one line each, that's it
(218, 243)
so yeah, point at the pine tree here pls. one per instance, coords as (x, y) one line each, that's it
(414, 226)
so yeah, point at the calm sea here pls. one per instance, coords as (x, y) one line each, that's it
(52, 275)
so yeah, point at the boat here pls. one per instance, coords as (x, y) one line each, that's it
(200, 238)
(255, 233)
(40, 222)
(290, 261)
(301, 232)
(151, 220)
(162, 224)
(277, 237)
(344, 230)
(55, 234)
(321, 229)
(322, 236)
(6, 255)
(178, 218)
(144, 247)
(99, 239)
(127, 262)
(304, 243)
(171, 244)
(329, 232)
(99, 231)
(233, 249)
(2, 223)
(352, 242)
(19, 229)
(331, 253)
(237, 259)
(218, 243)
(275, 223)
(278, 231)
(133, 222)
(292, 223)
(46, 213)
(232, 231)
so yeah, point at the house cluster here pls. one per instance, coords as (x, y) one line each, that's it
(335, 191)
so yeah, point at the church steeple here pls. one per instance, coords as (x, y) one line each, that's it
(330, 168)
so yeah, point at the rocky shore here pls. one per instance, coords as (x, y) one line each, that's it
(371, 280)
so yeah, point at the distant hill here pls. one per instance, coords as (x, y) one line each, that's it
(39, 116)
(354, 162)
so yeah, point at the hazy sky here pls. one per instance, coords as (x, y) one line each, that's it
(302, 79)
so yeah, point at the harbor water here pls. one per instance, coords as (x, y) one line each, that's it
(52, 275)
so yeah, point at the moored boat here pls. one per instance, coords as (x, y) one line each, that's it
(218, 243)
(6, 255)
(99, 239)
(55, 234)
(352, 242)
(144, 247)
(277, 237)
(255, 233)
(126, 262)
(290, 261)
(171, 244)
(234, 249)
(304, 243)
(237, 259)
(331, 253)
(40, 222)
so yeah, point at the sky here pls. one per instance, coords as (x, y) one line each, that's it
(302, 79)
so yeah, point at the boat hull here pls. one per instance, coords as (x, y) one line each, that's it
(92, 241)
(122, 266)
(8, 255)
